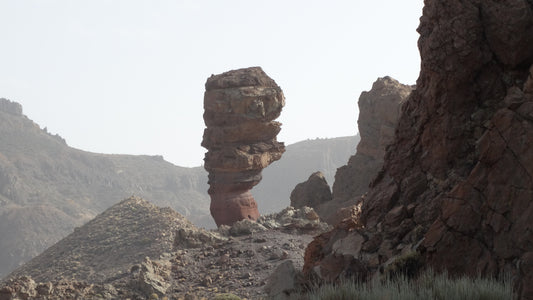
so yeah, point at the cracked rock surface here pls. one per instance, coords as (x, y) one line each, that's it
(457, 182)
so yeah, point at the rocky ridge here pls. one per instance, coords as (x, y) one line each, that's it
(136, 250)
(48, 188)
(240, 137)
(457, 181)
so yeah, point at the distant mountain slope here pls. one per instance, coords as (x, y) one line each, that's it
(48, 188)
(124, 234)
(298, 162)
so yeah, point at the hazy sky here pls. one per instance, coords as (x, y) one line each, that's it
(127, 76)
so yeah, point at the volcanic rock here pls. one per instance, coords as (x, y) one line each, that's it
(240, 107)
(459, 173)
(312, 193)
(379, 109)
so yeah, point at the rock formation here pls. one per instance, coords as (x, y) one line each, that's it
(240, 107)
(457, 181)
(312, 193)
(10, 107)
(379, 109)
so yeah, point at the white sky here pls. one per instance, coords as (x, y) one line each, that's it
(127, 76)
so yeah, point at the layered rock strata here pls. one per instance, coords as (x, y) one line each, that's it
(457, 182)
(379, 109)
(240, 108)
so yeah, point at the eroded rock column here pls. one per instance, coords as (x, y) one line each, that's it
(240, 108)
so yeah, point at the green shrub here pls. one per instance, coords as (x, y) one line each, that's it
(426, 286)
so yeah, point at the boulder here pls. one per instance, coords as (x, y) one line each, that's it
(284, 281)
(312, 193)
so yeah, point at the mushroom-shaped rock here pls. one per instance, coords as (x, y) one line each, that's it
(240, 108)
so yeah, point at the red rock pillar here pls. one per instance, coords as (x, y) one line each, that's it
(240, 108)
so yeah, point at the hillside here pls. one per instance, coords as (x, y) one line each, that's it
(48, 188)
(135, 249)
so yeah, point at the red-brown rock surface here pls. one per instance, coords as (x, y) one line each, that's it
(379, 109)
(457, 182)
(240, 107)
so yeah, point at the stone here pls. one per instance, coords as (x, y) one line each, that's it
(284, 281)
(240, 136)
(151, 278)
(311, 193)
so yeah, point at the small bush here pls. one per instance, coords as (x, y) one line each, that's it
(426, 286)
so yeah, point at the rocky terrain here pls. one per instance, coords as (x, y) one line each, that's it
(47, 188)
(136, 250)
(457, 182)
(297, 163)
(240, 109)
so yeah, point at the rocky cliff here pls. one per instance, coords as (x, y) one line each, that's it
(240, 108)
(379, 109)
(457, 181)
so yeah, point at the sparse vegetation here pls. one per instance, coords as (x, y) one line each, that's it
(427, 286)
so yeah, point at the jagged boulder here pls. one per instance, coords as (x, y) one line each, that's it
(240, 108)
(312, 193)
(457, 180)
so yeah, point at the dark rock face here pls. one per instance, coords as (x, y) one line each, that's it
(240, 107)
(458, 178)
(311, 193)
(379, 109)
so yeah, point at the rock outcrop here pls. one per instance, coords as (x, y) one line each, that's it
(379, 109)
(10, 107)
(240, 108)
(457, 182)
(314, 192)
